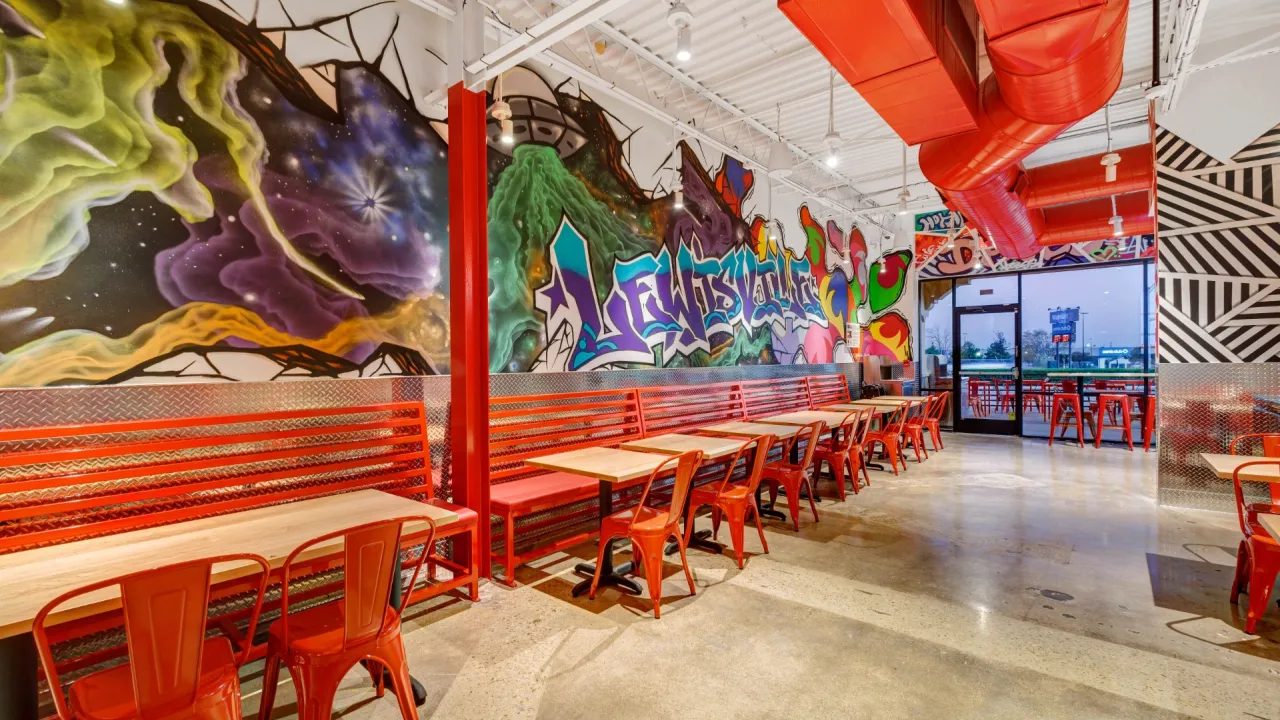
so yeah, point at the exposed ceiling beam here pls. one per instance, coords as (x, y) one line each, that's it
(1185, 27)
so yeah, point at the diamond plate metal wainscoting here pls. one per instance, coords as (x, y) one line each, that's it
(1203, 407)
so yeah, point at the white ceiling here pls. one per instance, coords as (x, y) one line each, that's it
(748, 54)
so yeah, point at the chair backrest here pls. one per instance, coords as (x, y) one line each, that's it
(810, 434)
(866, 417)
(896, 418)
(72, 482)
(763, 444)
(525, 426)
(165, 617)
(369, 555)
(849, 429)
(678, 408)
(1239, 489)
(1270, 443)
(941, 400)
(1068, 386)
(686, 464)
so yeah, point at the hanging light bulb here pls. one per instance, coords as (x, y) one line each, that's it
(905, 195)
(832, 140)
(780, 163)
(681, 18)
(501, 112)
(1111, 159)
(1117, 225)
(679, 201)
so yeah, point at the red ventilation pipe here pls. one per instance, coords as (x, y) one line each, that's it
(1054, 62)
(1091, 220)
(1080, 179)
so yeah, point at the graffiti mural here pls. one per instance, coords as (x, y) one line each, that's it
(945, 247)
(205, 191)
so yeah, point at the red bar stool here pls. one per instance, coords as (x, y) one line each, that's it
(173, 669)
(1065, 401)
(320, 644)
(1115, 407)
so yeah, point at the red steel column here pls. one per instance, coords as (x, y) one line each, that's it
(469, 310)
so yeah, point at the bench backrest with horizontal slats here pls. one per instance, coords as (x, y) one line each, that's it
(828, 390)
(64, 483)
(525, 426)
(762, 398)
(684, 408)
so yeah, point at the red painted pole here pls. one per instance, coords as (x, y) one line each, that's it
(469, 312)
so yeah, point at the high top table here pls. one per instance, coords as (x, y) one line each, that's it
(32, 578)
(610, 467)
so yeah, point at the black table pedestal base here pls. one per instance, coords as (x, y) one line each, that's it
(611, 576)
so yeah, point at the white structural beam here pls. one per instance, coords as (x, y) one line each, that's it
(1185, 27)
(538, 37)
(587, 78)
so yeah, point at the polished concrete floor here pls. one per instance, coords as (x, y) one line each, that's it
(999, 579)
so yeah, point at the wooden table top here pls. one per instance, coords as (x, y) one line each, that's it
(34, 577)
(674, 444)
(902, 398)
(879, 402)
(1100, 375)
(877, 408)
(804, 417)
(1225, 467)
(741, 428)
(1271, 523)
(607, 464)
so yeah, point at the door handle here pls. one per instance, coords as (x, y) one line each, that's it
(1015, 373)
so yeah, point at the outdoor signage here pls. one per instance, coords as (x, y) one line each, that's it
(1062, 316)
(1114, 352)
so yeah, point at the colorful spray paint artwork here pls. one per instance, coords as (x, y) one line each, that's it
(945, 247)
(201, 191)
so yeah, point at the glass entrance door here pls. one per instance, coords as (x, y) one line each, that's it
(987, 369)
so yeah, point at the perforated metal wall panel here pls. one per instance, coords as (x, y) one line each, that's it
(1203, 406)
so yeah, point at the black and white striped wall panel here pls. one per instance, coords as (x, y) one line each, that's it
(1219, 256)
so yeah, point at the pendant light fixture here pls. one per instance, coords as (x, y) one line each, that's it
(769, 229)
(678, 159)
(1111, 159)
(780, 162)
(832, 140)
(501, 112)
(681, 18)
(905, 195)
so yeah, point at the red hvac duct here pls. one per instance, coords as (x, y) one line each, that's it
(1091, 220)
(1054, 62)
(1079, 179)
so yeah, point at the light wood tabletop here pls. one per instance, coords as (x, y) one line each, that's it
(34, 577)
(877, 408)
(741, 428)
(1271, 523)
(674, 444)
(1225, 467)
(902, 398)
(804, 417)
(879, 402)
(607, 464)
(1100, 375)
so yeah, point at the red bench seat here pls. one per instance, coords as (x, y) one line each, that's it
(541, 492)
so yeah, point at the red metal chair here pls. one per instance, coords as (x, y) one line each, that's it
(844, 450)
(1271, 449)
(791, 477)
(649, 528)
(1033, 398)
(1258, 558)
(889, 436)
(1065, 401)
(174, 671)
(933, 418)
(1115, 408)
(732, 500)
(913, 427)
(319, 645)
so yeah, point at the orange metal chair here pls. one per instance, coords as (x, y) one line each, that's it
(319, 645)
(1257, 559)
(890, 437)
(174, 671)
(1064, 402)
(933, 418)
(913, 427)
(791, 477)
(1270, 448)
(844, 450)
(649, 528)
(731, 500)
(1115, 408)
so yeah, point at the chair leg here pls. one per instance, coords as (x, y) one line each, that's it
(812, 505)
(649, 548)
(737, 515)
(684, 560)
(394, 656)
(1240, 582)
(270, 678)
(319, 685)
(759, 527)
(1261, 577)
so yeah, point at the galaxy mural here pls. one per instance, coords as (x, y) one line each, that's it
(199, 191)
